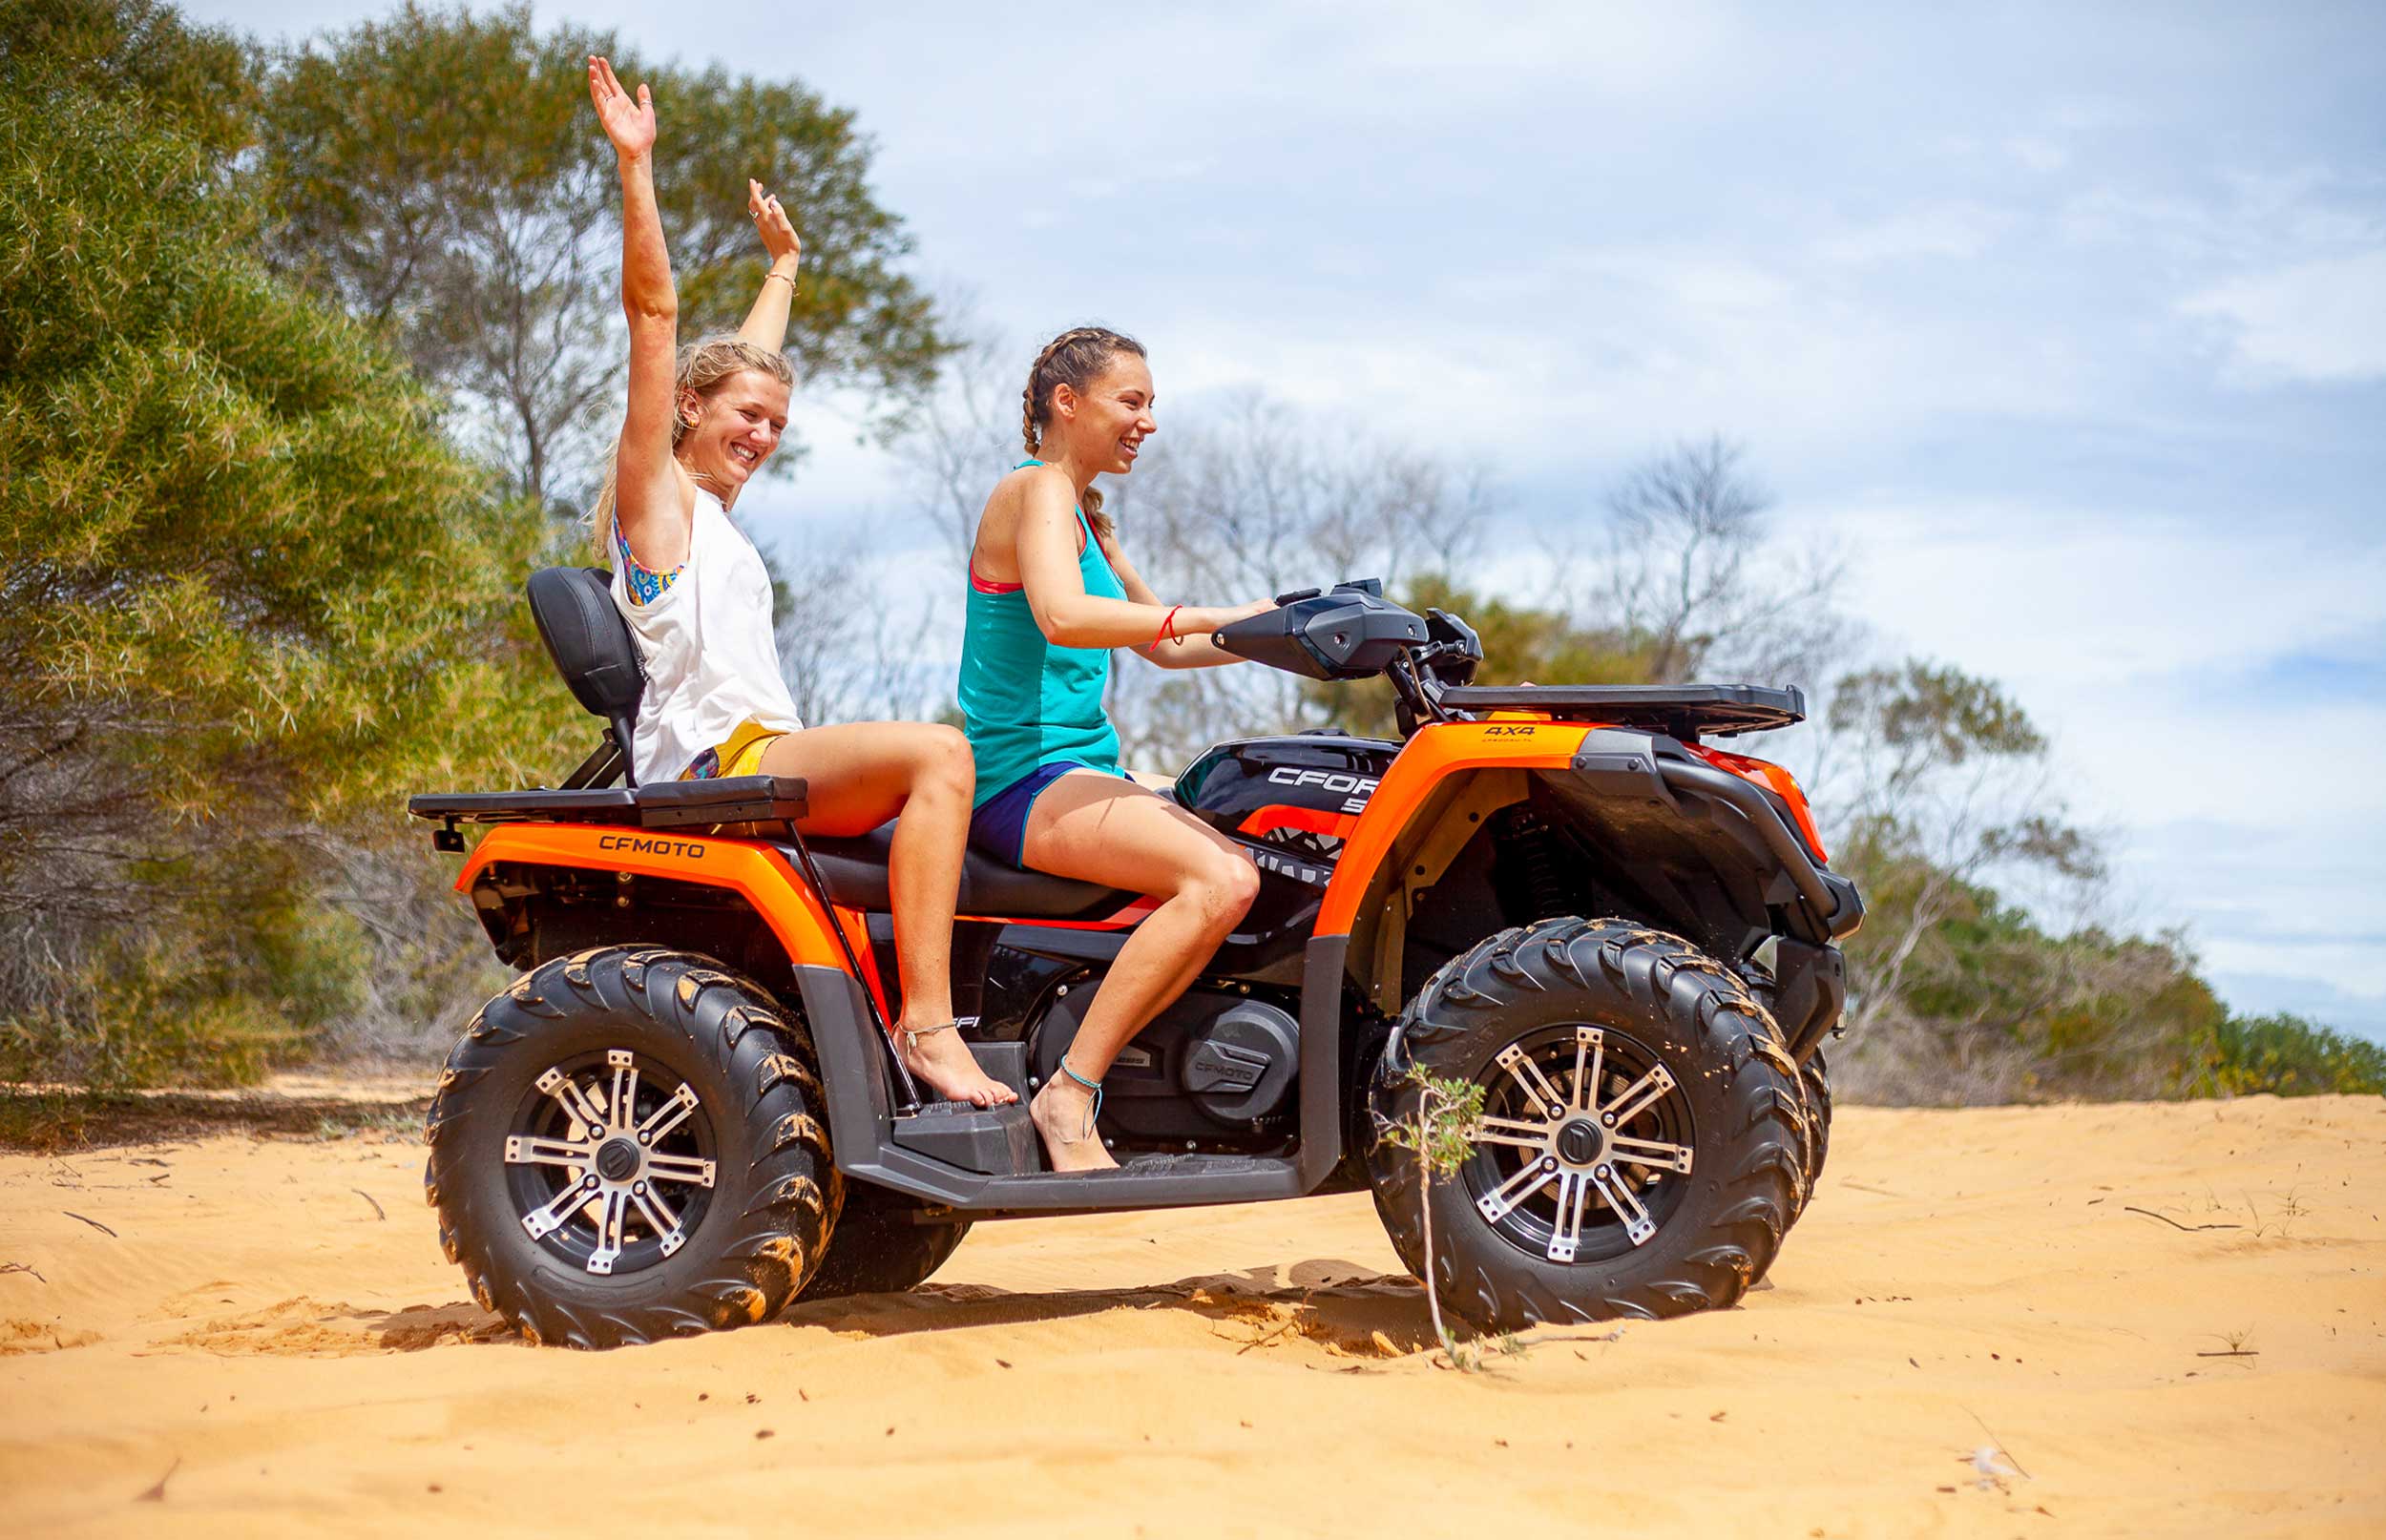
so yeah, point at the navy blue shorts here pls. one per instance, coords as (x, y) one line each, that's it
(999, 827)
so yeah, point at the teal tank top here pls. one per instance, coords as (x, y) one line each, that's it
(1025, 702)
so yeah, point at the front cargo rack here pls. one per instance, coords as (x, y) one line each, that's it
(1688, 712)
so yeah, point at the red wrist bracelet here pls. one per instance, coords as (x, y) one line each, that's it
(1167, 628)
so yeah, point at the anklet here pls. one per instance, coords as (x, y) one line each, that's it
(1095, 1086)
(912, 1034)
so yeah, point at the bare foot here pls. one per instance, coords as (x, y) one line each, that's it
(1061, 1113)
(951, 1069)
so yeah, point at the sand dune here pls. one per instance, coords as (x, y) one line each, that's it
(1971, 1332)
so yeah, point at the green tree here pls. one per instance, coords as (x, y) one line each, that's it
(197, 79)
(438, 172)
(249, 593)
(1956, 994)
(1946, 779)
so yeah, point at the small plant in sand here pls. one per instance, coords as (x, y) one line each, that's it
(2290, 1208)
(1440, 1134)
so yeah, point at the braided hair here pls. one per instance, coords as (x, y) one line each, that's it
(1076, 359)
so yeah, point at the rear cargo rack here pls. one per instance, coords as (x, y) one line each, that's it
(1688, 712)
(668, 804)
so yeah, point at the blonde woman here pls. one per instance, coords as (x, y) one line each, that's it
(700, 422)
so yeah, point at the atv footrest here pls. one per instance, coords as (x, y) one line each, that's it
(996, 1141)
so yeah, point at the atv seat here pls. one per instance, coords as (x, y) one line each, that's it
(592, 648)
(855, 873)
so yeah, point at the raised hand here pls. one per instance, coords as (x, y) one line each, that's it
(772, 224)
(629, 124)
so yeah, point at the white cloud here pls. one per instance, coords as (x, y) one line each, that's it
(1955, 231)
(2323, 321)
(2075, 596)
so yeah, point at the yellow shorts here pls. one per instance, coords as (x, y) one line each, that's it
(740, 754)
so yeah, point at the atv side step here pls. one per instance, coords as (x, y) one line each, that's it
(998, 1144)
(1151, 1182)
(940, 1154)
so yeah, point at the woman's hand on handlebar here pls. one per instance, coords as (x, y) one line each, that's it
(1219, 617)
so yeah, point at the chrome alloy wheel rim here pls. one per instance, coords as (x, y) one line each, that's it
(1583, 1143)
(611, 1161)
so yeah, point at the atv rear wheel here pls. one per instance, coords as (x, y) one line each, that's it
(1814, 1076)
(880, 1245)
(625, 1146)
(1639, 1152)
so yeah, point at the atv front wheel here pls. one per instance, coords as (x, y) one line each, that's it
(1640, 1149)
(625, 1146)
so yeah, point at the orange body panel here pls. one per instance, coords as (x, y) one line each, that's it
(758, 873)
(1433, 754)
(1773, 776)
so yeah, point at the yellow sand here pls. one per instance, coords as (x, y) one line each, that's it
(291, 1363)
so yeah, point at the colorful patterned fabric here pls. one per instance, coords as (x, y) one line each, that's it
(646, 586)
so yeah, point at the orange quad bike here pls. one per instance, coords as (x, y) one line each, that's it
(686, 1112)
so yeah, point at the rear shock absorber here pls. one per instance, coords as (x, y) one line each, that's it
(1530, 861)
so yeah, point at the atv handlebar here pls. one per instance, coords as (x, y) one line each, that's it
(1351, 631)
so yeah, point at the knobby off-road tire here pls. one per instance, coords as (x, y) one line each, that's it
(725, 1075)
(1814, 1076)
(879, 1247)
(1644, 1008)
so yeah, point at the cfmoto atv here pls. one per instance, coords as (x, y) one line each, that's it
(686, 1112)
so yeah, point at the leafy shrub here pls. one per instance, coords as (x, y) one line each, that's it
(2287, 1055)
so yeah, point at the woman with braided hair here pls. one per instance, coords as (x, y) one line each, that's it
(1050, 595)
(697, 597)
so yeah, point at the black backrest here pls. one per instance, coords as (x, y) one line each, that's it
(589, 640)
(595, 652)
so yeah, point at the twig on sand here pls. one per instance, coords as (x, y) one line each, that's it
(1271, 1337)
(22, 1267)
(1999, 1442)
(2132, 1208)
(158, 1493)
(93, 1224)
(2234, 1352)
(368, 1197)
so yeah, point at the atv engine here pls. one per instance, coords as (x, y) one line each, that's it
(1210, 1065)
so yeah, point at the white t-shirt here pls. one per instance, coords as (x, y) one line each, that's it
(708, 646)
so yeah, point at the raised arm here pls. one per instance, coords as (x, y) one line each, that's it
(767, 323)
(650, 500)
(1066, 614)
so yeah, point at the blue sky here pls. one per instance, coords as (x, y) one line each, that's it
(2067, 322)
